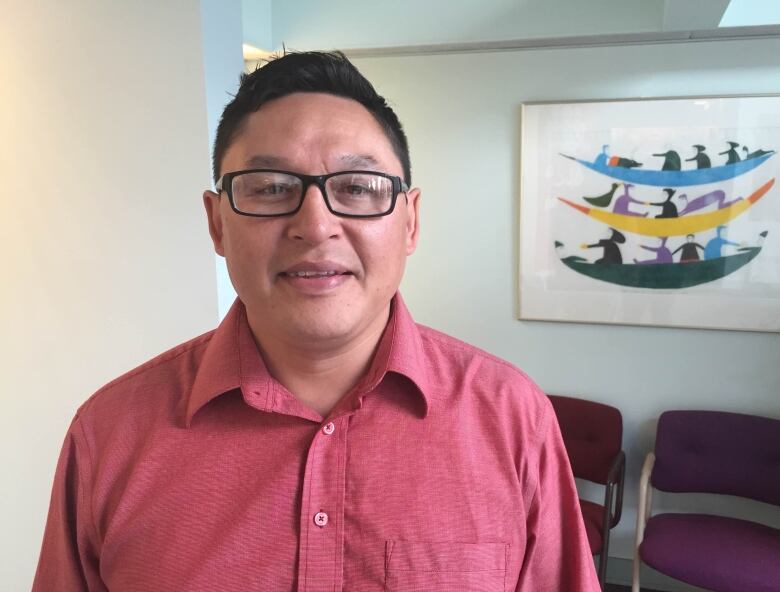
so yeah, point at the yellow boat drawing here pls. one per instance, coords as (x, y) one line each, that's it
(683, 225)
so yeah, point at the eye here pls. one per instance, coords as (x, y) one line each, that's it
(272, 189)
(357, 190)
(265, 187)
(356, 187)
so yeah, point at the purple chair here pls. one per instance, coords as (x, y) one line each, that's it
(711, 452)
(593, 435)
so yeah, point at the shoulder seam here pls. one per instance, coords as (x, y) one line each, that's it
(162, 358)
(542, 426)
(444, 339)
(86, 485)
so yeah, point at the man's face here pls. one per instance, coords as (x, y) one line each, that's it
(314, 134)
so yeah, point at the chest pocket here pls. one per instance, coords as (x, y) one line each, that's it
(445, 567)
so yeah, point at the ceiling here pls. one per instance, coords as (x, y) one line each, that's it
(350, 24)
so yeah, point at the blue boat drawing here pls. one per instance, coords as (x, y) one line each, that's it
(672, 178)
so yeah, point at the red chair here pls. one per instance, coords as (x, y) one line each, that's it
(593, 436)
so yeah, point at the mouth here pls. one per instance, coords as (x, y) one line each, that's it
(314, 274)
(315, 278)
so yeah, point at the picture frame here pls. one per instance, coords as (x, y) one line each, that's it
(652, 212)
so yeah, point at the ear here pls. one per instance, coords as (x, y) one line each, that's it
(412, 219)
(211, 202)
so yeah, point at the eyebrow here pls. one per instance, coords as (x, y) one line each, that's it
(266, 161)
(350, 161)
(358, 160)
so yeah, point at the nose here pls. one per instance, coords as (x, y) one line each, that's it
(314, 223)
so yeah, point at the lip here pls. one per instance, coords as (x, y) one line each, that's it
(315, 285)
(316, 266)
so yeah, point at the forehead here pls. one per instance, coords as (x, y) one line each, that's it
(311, 130)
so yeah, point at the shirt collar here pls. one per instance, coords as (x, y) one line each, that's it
(232, 361)
(401, 351)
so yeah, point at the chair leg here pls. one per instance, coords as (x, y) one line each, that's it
(606, 525)
(603, 560)
(635, 587)
(602, 569)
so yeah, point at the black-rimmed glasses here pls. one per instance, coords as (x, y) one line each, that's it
(268, 193)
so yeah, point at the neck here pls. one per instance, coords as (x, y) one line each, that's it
(319, 372)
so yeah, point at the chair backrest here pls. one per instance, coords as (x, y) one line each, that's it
(592, 433)
(718, 452)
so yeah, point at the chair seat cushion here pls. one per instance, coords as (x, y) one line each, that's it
(593, 516)
(714, 552)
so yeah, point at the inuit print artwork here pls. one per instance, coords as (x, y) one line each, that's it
(652, 212)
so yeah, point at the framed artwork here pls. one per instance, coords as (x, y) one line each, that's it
(662, 212)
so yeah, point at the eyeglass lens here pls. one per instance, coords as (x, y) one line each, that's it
(270, 193)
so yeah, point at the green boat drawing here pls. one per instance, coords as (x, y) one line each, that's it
(663, 276)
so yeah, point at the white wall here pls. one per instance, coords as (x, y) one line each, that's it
(106, 257)
(462, 116)
(221, 21)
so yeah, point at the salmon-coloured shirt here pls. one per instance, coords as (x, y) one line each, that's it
(442, 470)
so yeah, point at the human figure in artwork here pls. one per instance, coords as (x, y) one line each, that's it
(671, 160)
(662, 253)
(610, 246)
(713, 197)
(700, 158)
(626, 163)
(604, 159)
(732, 156)
(601, 159)
(668, 207)
(714, 248)
(623, 203)
(689, 250)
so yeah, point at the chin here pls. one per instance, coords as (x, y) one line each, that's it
(320, 329)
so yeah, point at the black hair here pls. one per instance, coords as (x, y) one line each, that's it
(314, 72)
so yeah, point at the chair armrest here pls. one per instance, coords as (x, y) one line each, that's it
(645, 498)
(616, 476)
(642, 514)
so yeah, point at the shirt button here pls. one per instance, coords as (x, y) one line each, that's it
(321, 519)
(329, 428)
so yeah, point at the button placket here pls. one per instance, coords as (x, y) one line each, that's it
(321, 547)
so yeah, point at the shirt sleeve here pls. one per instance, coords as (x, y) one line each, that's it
(557, 557)
(68, 560)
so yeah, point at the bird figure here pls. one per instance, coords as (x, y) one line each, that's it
(757, 154)
(602, 201)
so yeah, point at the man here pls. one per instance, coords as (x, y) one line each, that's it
(318, 439)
